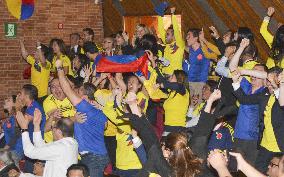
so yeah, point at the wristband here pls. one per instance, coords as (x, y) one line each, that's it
(59, 68)
(38, 47)
(24, 130)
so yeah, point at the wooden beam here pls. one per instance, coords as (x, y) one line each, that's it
(213, 16)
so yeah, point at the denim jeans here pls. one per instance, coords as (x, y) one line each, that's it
(95, 163)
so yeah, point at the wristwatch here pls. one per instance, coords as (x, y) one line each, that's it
(24, 130)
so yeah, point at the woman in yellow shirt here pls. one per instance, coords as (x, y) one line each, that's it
(176, 104)
(40, 68)
(59, 52)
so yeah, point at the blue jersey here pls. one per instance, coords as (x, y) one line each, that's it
(197, 68)
(30, 111)
(247, 124)
(90, 134)
(9, 128)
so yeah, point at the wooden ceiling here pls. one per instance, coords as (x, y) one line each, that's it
(230, 14)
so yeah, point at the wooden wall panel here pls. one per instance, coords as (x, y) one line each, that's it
(113, 21)
(279, 14)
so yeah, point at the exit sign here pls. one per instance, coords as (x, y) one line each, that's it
(10, 30)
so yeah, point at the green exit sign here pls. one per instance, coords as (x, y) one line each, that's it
(10, 30)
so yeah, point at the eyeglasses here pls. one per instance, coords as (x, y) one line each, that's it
(273, 164)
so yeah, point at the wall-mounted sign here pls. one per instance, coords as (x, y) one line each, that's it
(10, 30)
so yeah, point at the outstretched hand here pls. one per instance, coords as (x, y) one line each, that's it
(214, 33)
(88, 71)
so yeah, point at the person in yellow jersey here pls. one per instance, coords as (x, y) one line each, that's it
(60, 53)
(271, 108)
(101, 97)
(176, 105)
(55, 106)
(127, 161)
(173, 158)
(40, 68)
(175, 44)
(275, 42)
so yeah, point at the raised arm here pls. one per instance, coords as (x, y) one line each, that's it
(177, 33)
(46, 152)
(37, 138)
(212, 47)
(254, 73)
(268, 37)
(241, 96)
(213, 97)
(245, 167)
(23, 49)
(218, 40)
(210, 51)
(120, 82)
(161, 29)
(206, 122)
(233, 65)
(69, 92)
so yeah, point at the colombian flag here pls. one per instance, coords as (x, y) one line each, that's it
(122, 63)
(21, 9)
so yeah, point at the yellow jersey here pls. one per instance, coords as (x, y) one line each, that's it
(65, 106)
(176, 107)
(39, 75)
(66, 63)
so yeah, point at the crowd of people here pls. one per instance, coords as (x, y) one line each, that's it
(203, 109)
